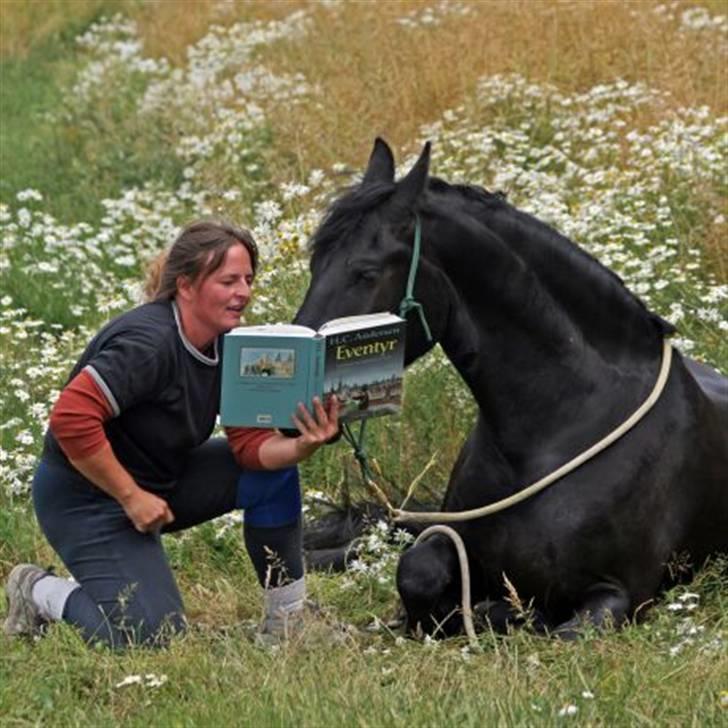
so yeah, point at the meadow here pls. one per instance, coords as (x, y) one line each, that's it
(123, 119)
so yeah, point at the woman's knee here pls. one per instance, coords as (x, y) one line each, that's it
(160, 631)
(148, 616)
(123, 624)
(270, 497)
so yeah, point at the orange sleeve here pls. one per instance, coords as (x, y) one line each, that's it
(78, 416)
(245, 443)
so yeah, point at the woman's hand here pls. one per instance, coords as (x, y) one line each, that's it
(319, 428)
(316, 429)
(148, 512)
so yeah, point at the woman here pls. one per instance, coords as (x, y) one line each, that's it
(127, 456)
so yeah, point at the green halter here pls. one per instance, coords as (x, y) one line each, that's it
(408, 302)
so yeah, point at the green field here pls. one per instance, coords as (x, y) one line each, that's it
(122, 119)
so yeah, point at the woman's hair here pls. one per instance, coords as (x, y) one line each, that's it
(199, 250)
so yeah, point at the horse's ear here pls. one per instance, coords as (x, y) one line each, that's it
(381, 164)
(411, 186)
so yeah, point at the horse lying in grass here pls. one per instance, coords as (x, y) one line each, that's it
(556, 352)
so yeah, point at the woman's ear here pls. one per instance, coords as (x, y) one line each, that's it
(184, 288)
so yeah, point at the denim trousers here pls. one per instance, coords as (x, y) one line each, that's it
(128, 594)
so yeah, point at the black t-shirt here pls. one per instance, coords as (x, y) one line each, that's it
(164, 393)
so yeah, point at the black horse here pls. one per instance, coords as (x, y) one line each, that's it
(556, 352)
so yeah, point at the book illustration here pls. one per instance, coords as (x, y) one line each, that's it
(267, 362)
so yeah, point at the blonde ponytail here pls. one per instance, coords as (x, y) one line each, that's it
(153, 277)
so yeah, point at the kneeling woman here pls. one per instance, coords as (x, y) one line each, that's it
(127, 456)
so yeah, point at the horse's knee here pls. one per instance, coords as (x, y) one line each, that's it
(429, 585)
(334, 559)
(422, 574)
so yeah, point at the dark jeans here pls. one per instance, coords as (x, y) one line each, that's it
(128, 593)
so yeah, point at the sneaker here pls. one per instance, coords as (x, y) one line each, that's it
(23, 617)
(310, 625)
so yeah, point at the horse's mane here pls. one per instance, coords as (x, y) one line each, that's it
(475, 193)
(345, 213)
(541, 246)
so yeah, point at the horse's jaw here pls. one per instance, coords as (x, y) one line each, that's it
(462, 342)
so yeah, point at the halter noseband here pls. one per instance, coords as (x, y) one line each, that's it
(409, 302)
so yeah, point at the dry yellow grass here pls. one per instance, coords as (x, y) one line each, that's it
(25, 23)
(377, 77)
(167, 26)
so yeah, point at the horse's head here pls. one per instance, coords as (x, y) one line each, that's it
(362, 251)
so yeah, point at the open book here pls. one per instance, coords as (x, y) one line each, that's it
(268, 370)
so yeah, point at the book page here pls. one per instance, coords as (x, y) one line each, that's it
(363, 321)
(273, 330)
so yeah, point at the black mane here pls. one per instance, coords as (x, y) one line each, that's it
(470, 192)
(345, 213)
(541, 245)
(544, 249)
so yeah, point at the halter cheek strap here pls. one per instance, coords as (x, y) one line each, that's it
(409, 302)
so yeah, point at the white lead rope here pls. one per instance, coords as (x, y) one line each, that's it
(454, 516)
(500, 505)
(467, 610)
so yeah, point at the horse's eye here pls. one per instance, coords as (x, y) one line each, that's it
(368, 275)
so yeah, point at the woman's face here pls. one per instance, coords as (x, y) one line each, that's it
(217, 300)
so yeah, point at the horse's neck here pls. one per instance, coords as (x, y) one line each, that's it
(528, 361)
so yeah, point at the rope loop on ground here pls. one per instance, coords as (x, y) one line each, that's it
(467, 610)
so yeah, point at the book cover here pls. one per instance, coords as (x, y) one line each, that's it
(268, 370)
(364, 369)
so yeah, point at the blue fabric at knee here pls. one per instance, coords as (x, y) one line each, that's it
(270, 498)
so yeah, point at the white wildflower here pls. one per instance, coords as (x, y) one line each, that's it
(29, 194)
(129, 680)
(25, 437)
(568, 710)
(150, 680)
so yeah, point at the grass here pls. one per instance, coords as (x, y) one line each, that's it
(516, 95)
(214, 674)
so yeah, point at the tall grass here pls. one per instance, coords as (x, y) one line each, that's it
(607, 119)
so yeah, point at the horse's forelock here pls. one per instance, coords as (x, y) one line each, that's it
(345, 213)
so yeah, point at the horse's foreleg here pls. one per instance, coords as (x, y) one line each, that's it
(606, 606)
(429, 585)
(500, 615)
(334, 559)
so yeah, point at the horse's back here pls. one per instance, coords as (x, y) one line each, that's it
(713, 385)
(703, 481)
